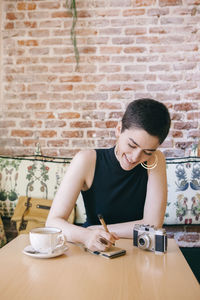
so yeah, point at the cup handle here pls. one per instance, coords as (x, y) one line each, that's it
(60, 240)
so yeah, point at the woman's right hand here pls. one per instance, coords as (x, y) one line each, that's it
(99, 240)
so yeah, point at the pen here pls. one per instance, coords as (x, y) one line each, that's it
(101, 219)
(103, 222)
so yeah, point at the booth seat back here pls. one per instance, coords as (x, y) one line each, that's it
(40, 177)
(183, 203)
(37, 177)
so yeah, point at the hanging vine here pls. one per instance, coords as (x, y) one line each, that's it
(71, 5)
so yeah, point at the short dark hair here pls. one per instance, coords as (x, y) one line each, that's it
(147, 114)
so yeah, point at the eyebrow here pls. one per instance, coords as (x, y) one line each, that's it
(132, 140)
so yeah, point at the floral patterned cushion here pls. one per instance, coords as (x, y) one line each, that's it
(37, 177)
(183, 204)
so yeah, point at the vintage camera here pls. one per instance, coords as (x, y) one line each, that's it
(150, 238)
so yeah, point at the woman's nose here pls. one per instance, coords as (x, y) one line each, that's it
(136, 155)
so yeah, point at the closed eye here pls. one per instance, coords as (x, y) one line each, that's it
(131, 146)
(135, 146)
(148, 153)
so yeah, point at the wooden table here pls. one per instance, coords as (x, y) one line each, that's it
(79, 275)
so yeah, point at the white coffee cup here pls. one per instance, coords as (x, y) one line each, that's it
(46, 239)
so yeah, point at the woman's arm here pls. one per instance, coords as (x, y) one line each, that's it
(78, 177)
(156, 198)
(155, 203)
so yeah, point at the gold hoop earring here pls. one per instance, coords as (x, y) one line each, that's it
(150, 167)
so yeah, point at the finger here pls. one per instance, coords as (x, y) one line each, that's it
(103, 241)
(102, 247)
(96, 246)
(116, 237)
(107, 237)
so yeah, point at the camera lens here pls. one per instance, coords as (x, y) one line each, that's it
(144, 241)
(141, 241)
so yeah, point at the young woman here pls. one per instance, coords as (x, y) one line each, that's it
(126, 184)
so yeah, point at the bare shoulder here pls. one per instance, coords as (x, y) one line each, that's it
(83, 166)
(161, 157)
(84, 163)
(85, 157)
(157, 158)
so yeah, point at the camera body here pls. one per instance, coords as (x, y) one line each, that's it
(150, 238)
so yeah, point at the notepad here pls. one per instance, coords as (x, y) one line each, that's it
(110, 253)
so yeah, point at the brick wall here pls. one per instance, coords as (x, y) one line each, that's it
(128, 49)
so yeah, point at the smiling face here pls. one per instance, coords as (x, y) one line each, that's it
(134, 146)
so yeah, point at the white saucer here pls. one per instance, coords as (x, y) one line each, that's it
(28, 250)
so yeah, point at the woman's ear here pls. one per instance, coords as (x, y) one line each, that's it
(118, 129)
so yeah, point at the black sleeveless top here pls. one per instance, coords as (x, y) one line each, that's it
(117, 194)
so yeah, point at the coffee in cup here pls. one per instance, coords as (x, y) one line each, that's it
(46, 239)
